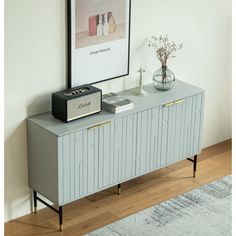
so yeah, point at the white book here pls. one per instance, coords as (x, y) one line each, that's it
(116, 103)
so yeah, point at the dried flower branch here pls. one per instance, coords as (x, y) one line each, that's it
(163, 48)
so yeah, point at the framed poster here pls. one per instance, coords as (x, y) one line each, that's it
(99, 40)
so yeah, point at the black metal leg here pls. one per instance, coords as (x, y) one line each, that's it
(58, 211)
(194, 166)
(35, 201)
(119, 189)
(60, 218)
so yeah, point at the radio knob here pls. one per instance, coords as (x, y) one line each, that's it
(68, 94)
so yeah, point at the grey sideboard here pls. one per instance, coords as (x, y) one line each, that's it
(67, 162)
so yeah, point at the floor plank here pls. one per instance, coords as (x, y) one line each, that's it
(155, 196)
(100, 209)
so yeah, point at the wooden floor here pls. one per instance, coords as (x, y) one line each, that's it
(103, 208)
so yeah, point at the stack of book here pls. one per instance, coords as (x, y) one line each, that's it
(116, 103)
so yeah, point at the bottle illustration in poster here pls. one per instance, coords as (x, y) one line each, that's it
(112, 24)
(100, 26)
(106, 25)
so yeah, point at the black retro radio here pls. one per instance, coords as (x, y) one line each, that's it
(75, 103)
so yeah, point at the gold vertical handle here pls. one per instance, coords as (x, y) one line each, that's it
(179, 101)
(168, 104)
(99, 125)
(173, 103)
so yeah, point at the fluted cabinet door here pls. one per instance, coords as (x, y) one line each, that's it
(105, 164)
(96, 158)
(181, 125)
(78, 164)
(125, 150)
(172, 133)
(93, 159)
(122, 143)
(148, 137)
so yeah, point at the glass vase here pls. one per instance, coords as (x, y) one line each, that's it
(163, 79)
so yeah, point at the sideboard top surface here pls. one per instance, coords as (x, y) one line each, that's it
(152, 99)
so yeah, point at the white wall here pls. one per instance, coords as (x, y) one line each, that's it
(35, 67)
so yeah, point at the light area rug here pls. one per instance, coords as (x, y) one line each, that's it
(205, 211)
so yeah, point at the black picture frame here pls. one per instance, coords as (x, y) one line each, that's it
(70, 47)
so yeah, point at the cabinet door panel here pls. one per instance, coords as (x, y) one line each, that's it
(193, 124)
(164, 135)
(124, 147)
(92, 160)
(117, 146)
(105, 164)
(128, 147)
(181, 128)
(174, 133)
(155, 141)
(170, 135)
(81, 187)
(179, 131)
(147, 141)
(142, 130)
(86, 162)
(198, 121)
(66, 175)
(96, 158)
(78, 165)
